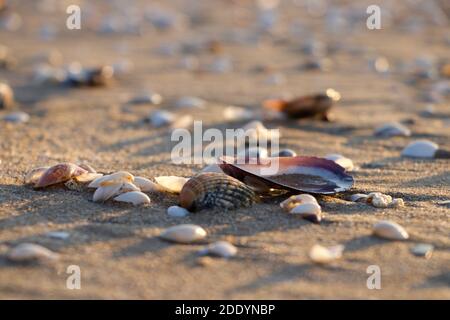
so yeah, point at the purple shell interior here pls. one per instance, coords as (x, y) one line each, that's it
(304, 174)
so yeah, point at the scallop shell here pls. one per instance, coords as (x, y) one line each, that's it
(171, 184)
(391, 130)
(222, 249)
(344, 162)
(296, 174)
(323, 255)
(209, 190)
(59, 173)
(28, 252)
(420, 149)
(177, 212)
(184, 233)
(390, 230)
(134, 197)
(6, 96)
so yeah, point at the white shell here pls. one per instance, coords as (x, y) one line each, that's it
(390, 230)
(134, 197)
(397, 203)
(222, 249)
(17, 117)
(88, 177)
(172, 184)
(161, 118)
(323, 255)
(423, 250)
(26, 252)
(293, 201)
(379, 200)
(104, 193)
(190, 102)
(34, 175)
(420, 149)
(359, 197)
(184, 233)
(145, 184)
(233, 113)
(306, 208)
(344, 162)
(177, 212)
(115, 178)
(392, 129)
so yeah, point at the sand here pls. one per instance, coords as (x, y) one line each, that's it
(116, 245)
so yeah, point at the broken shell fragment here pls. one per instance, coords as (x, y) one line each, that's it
(391, 130)
(134, 197)
(390, 230)
(171, 184)
(420, 149)
(344, 162)
(210, 190)
(296, 174)
(147, 98)
(221, 249)
(6, 96)
(323, 255)
(29, 252)
(312, 106)
(184, 233)
(59, 173)
(423, 250)
(98, 76)
(177, 212)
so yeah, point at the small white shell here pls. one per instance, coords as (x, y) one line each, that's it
(34, 175)
(232, 113)
(184, 233)
(390, 230)
(128, 187)
(293, 201)
(420, 149)
(172, 184)
(344, 162)
(359, 197)
(391, 130)
(222, 249)
(106, 192)
(147, 98)
(27, 252)
(161, 118)
(306, 208)
(397, 203)
(190, 103)
(323, 255)
(134, 197)
(145, 184)
(115, 178)
(423, 250)
(17, 117)
(177, 212)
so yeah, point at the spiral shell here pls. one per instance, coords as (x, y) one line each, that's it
(211, 189)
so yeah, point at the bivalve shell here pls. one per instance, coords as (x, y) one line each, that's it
(308, 211)
(420, 149)
(221, 249)
(184, 233)
(339, 159)
(177, 212)
(59, 173)
(145, 184)
(390, 230)
(171, 184)
(391, 130)
(29, 252)
(134, 197)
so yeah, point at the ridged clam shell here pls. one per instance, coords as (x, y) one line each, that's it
(184, 233)
(390, 230)
(59, 173)
(222, 249)
(134, 197)
(209, 190)
(420, 149)
(324, 255)
(28, 252)
(172, 184)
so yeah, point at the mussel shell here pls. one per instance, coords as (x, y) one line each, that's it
(304, 174)
(215, 190)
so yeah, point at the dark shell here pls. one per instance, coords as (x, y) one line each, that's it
(295, 174)
(212, 189)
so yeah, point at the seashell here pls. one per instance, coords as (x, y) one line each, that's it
(93, 77)
(176, 211)
(257, 131)
(323, 255)
(17, 117)
(311, 106)
(308, 211)
(87, 177)
(423, 250)
(444, 203)
(34, 175)
(147, 98)
(221, 249)
(391, 130)
(390, 230)
(293, 201)
(104, 193)
(128, 187)
(183, 122)
(161, 118)
(112, 179)
(397, 203)
(171, 184)
(420, 149)
(359, 197)
(190, 103)
(60, 235)
(344, 162)
(209, 190)
(59, 173)
(379, 200)
(134, 197)
(145, 184)
(6, 96)
(285, 153)
(87, 167)
(29, 252)
(184, 233)
(232, 113)
(296, 174)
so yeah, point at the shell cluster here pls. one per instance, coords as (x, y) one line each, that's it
(378, 200)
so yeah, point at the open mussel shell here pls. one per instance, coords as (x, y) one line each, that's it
(294, 174)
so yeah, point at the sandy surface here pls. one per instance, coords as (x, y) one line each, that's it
(116, 245)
